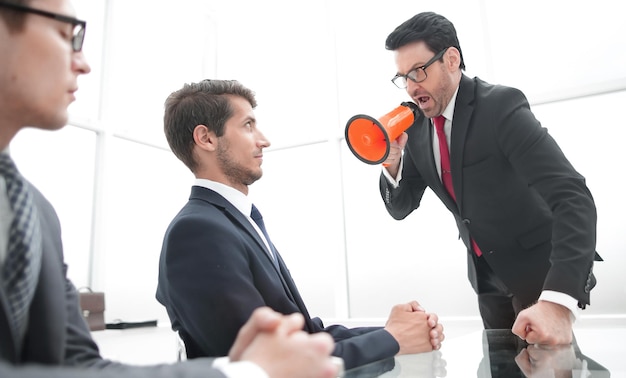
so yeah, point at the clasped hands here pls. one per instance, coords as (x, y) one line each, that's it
(278, 345)
(415, 330)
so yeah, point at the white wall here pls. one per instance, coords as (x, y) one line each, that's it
(313, 65)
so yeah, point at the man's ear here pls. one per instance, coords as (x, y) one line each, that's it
(454, 58)
(204, 138)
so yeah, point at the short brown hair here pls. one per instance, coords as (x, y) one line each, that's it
(204, 103)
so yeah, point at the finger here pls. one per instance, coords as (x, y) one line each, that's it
(323, 342)
(406, 307)
(523, 362)
(293, 322)
(402, 139)
(263, 319)
(435, 341)
(415, 306)
(434, 334)
(433, 319)
(521, 327)
(333, 368)
(442, 335)
(533, 337)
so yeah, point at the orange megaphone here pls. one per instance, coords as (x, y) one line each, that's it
(370, 139)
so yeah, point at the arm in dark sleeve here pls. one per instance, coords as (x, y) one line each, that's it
(400, 201)
(361, 345)
(208, 284)
(535, 155)
(79, 354)
(199, 368)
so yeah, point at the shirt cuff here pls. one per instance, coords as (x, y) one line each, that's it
(563, 300)
(240, 369)
(394, 181)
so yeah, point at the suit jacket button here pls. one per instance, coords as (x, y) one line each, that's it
(466, 221)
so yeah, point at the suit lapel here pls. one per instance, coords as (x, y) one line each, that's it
(231, 212)
(293, 289)
(241, 219)
(238, 218)
(281, 269)
(460, 125)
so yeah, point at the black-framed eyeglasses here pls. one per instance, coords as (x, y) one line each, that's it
(78, 35)
(417, 75)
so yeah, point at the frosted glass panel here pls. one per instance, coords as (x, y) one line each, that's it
(61, 165)
(146, 188)
(390, 262)
(283, 50)
(154, 48)
(552, 47)
(300, 198)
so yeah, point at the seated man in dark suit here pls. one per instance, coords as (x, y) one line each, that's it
(218, 264)
(42, 330)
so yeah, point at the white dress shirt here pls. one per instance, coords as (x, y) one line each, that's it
(240, 369)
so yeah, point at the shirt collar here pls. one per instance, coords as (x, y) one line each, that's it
(235, 197)
(448, 112)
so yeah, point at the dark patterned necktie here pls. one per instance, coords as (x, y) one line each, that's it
(446, 173)
(256, 216)
(290, 286)
(23, 258)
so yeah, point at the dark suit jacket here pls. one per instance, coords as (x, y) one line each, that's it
(214, 271)
(518, 196)
(58, 342)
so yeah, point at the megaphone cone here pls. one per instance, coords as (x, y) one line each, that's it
(370, 139)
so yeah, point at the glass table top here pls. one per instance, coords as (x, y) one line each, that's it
(595, 353)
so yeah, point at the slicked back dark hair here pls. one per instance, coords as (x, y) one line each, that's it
(436, 31)
(204, 103)
(14, 19)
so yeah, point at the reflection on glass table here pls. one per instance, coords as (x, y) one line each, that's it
(503, 355)
(506, 355)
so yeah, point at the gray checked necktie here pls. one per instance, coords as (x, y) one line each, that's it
(23, 258)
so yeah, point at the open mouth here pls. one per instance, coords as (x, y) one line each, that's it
(423, 100)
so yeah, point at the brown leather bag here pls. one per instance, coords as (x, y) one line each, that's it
(92, 305)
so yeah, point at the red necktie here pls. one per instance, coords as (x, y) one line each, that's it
(446, 175)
